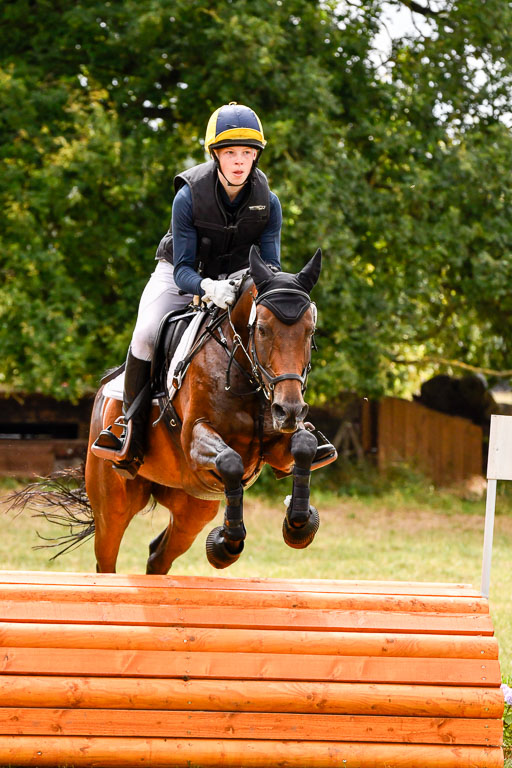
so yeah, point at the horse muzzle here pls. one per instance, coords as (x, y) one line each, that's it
(287, 416)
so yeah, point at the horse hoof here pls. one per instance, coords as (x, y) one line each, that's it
(217, 550)
(300, 538)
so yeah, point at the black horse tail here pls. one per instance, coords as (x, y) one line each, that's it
(60, 498)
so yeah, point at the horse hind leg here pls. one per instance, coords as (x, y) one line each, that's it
(302, 520)
(157, 562)
(111, 523)
(114, 502)
(188, 516)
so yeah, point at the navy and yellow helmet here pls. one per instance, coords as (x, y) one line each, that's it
(234, 124)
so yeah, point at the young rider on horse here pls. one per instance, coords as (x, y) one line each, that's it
(222, 207)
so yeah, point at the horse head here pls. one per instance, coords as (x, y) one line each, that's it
(281, 327)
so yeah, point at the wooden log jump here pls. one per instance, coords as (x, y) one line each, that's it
(112, 670)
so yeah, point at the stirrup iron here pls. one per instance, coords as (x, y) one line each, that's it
(111, 453)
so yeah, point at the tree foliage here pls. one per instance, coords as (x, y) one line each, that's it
(399, 170)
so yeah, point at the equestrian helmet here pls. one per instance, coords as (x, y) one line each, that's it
(234, 125)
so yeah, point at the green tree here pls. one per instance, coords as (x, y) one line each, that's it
(399, 171)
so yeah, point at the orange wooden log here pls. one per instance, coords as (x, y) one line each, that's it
(251, 696)
(247, 618)
(249, 666)
(244, 598)
(153, 670)
(222, 583)
(249, 725)
(249, 641)
(232, 753)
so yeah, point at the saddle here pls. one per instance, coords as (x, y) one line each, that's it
(172, 330)
(173, 351)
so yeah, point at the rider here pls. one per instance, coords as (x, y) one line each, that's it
(222, 207)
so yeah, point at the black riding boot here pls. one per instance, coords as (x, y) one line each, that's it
(136, 407)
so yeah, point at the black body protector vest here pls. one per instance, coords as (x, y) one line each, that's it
(223, 240)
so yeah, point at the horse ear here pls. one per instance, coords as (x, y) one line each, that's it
(308, 276)
(258, 269)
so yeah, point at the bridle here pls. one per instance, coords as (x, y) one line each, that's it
(260, 380)
(260, 377)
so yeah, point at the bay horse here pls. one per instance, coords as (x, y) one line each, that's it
(240, 406)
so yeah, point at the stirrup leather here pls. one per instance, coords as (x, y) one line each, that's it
(114, 454)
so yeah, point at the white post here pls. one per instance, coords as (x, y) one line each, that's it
(488, 534)
(499, 467)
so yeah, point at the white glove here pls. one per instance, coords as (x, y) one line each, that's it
(221, 292)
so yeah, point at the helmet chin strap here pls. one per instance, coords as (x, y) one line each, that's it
(230, 183)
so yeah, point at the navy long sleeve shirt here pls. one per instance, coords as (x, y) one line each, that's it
(184, 237)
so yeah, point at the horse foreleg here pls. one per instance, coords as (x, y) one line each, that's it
(208, 450)
(189, 515)
(302, 520)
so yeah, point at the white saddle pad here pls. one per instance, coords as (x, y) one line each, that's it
(182, 350)
(114, 387)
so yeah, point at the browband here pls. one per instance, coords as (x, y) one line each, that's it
(264, 295)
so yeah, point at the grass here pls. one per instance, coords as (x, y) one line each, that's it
(392, 528)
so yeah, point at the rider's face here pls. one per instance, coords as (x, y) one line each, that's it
(236, 163)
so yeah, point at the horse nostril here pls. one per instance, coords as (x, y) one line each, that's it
(289, 413)
(278, 412)
(303, 412)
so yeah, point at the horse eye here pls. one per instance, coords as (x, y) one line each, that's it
(261, 330)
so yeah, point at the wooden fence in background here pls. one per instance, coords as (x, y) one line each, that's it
(39, 434)
(446, 448)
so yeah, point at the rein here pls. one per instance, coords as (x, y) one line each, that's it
(259, 377)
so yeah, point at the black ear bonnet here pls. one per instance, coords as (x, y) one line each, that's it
(285, 294)
(285, 297)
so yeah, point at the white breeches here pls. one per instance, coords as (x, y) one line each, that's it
(160, 296)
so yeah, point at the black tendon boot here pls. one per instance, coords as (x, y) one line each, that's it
(136, 407)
